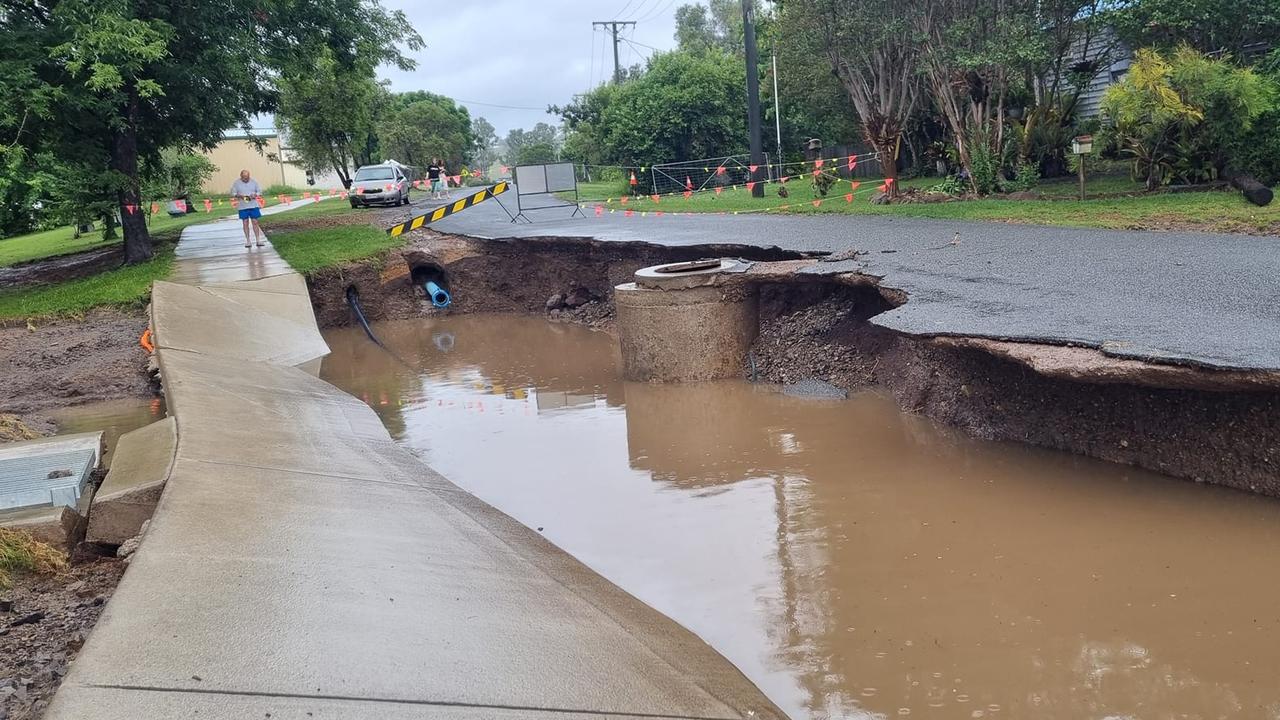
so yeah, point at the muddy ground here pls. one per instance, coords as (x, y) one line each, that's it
(43, 624)
(58, 363)
(813, 328)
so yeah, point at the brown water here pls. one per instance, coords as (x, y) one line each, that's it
(112, 417)
(853, 561)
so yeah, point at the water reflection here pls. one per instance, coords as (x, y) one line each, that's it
(853, 561)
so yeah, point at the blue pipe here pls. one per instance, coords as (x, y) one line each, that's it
(439, 296)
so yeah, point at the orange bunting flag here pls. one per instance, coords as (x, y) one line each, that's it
(719, 190)
(629, 213)
(816, 173)
(688, 183)
(623, 199)
(853, 162)
(884, 188)
(131, 208)
(888, 181)
(155, 208)
(848, 197)
(634, 182)
(854, 185)
(720, 170)
(599, 210)
(688, 194)
(784, 179)
(208, 205)
(655, 199)
(751, 186)
(262, 202)
(182, 205)
(817, 203)
(753, 168)
(457, 180)
(819, 163)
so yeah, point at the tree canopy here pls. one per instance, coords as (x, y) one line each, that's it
(106, 85)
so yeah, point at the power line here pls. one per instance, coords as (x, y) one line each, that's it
(639, 8)
(591, 74)
(496, 105)
(624, 9)
(657, 12)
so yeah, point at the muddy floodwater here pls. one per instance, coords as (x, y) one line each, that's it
(112, 417)
(852, 560)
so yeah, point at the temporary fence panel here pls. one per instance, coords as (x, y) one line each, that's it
(545, 179)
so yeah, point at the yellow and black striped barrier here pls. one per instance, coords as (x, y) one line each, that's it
(445, 211)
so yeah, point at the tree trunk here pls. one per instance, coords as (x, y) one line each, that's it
(1254, 191)
(124, 160)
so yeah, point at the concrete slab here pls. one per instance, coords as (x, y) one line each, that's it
(235, 323)
(289, 284)
(215, 252)
(112, 703)
(128, 495)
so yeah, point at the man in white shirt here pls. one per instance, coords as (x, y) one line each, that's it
(244, 193)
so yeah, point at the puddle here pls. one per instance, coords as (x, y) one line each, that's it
(113, 417)
(853, 561)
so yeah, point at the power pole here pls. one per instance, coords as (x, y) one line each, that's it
(753, 96)
(613, 27)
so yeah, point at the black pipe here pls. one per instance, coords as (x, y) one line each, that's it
(353, 299)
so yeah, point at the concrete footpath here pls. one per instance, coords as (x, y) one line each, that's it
(300, 564)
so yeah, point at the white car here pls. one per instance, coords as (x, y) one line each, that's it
(384, 184)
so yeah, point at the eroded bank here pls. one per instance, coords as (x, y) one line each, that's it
(815, 321)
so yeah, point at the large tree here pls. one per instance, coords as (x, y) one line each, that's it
(872, 49)
(328, 115)
(418, 126)
(111, 83)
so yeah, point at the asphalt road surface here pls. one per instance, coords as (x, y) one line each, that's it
(1175, 297)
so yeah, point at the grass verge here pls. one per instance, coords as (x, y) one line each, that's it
(19, 552)
(313, 249)
(123, 286)
(1218, 211)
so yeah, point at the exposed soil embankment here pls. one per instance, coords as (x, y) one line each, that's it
(1185, 422)
(1227, 438)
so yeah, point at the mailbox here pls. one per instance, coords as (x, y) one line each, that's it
(1082, 145)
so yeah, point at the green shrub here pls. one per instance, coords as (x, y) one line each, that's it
(951, 185)
(1025, 177)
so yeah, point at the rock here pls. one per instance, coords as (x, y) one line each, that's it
(54, 474)
(129, 547)
(880, 198)
(30, 619)
(6, 605)
(555, 302)
(578, 297)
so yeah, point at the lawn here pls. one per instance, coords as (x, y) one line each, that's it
(1223, 211)
(313, 249)
(124, 286)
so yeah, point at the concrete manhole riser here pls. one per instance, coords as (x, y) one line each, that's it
(686, 335)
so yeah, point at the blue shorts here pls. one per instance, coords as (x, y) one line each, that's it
(252, 213)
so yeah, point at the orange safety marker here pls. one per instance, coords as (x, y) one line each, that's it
(145, 341)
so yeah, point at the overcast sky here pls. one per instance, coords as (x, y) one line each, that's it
(525, 53)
